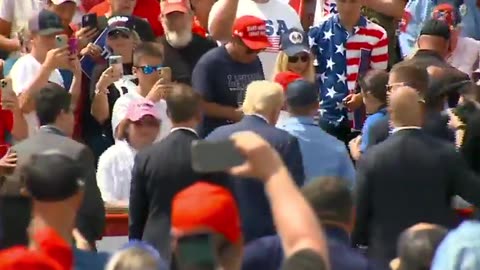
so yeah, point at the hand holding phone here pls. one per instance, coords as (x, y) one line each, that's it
(116, 62)
(166, 74)
(9, 100)
(61, 41)
(215, 156)
(90, 21)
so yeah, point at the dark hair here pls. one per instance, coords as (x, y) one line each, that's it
(375, 83)
(416, 248)
(151, 49)
(412, 75)
(182, 103)
(50, 101)
(330, 198)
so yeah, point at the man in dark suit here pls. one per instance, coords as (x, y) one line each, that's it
(408, 73)
(409, 178)
(262, 105)
(162, 170)
(53, 108)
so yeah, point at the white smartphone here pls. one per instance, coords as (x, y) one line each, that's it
(61, 41)
(116, 62)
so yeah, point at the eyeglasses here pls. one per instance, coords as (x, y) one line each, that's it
(147, 70)
(118, 34)
(294, 59)
(391, 86)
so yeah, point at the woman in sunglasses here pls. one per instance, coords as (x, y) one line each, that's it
(138, 130)
(108, 84)
(295, 55)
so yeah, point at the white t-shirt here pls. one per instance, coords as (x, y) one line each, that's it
(279, 17)
(114, 172)
(120, 112)
(18, 12)
(466, 55)
(23, 72)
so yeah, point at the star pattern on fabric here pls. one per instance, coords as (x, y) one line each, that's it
(340, 49)
(328, 35)
(331, 92)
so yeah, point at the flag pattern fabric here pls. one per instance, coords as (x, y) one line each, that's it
(88, 63)
(324, 9)
(341, 58)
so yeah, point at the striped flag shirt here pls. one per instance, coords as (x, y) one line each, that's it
(341, 58)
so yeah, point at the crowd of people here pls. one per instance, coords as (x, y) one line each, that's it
(358, 132)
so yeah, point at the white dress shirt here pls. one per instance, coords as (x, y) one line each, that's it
(114, 172)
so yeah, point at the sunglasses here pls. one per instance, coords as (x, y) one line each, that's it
(147, 70)
(294, 59)
(118, 34)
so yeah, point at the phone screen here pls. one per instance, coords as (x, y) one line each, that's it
(196, 251)
(89, 20)
(215, 156)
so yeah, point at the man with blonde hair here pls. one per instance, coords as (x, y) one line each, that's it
(262, 105)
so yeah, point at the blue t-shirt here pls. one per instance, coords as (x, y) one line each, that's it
(85, 260)
(221, 80)
(369, 123)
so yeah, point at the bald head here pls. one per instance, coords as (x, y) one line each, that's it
(433, 43)
(417, 245)
(405, 107)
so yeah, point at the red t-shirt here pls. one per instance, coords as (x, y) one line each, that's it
(6, 125)
(148, 9)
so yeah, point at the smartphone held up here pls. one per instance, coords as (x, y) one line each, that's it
(215, 156)
(116, 62)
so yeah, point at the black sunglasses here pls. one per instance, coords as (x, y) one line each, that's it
(294, 59)
(118, 34)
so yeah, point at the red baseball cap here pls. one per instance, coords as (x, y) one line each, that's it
(286, 77)
(445, 12)
(252, 31)
(169, 6)
(205, 205)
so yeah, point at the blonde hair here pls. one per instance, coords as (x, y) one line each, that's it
(133, 258)
(263, 97)
(281, 65)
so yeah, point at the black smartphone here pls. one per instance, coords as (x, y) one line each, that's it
(196, 252)
(89, 20)
(215, 156)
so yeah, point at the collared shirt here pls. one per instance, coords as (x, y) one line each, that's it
(114, 172)
(341, 57)
(322, 154)
(369, 123)
(466, 55)
(404, 128)
(184, 128)
(261, 116)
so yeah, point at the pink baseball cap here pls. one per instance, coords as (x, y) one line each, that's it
(140, 108)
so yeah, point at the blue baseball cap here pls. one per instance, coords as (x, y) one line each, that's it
(294, 41)
(301, 93)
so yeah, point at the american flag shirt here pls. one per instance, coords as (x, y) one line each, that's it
(341, 58)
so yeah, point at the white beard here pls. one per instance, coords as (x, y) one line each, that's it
(179, 39)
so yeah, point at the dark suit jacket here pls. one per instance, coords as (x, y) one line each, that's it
(409, 178)
(436, 125)
(253, 204)
(160, 172)
(91, 216)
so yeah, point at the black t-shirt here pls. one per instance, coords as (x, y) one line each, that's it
(221, 80)
(182, 61)
(95, 128)
(141, 26)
